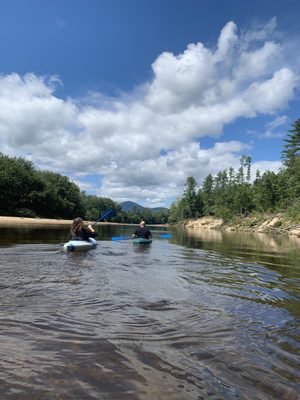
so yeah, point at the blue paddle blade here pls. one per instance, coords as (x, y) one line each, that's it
(121, 238)
(162, 236)
(165, 236)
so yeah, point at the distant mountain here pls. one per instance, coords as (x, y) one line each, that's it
(131, 205)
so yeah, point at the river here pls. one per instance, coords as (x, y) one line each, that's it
(203, 315)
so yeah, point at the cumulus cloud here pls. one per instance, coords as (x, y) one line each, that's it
(145, 144)
(264, 166)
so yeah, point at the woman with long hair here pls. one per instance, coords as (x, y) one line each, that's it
(79, 232)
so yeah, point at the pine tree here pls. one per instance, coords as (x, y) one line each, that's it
(190, 197)
(291, 152)
(291, 159)
(208, 195)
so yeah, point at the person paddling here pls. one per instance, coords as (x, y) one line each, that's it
(78, 232)
(142, 232)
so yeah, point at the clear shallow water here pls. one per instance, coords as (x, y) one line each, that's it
(201, 316)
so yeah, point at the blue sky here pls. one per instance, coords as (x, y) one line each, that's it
(130, 97)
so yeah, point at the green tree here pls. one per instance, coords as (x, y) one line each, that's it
(208, 195)
(18, 180)
(94, 206)
(190, 198)
(266, 192)
(60, 198)
(291, 149)
(177, 211)
(291, 160)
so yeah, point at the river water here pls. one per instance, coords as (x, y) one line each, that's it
(203, 315)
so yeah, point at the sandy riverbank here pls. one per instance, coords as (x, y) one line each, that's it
(259, 223)
(17, 221)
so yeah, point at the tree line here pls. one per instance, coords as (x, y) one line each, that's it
(233, 193)
(28, 192)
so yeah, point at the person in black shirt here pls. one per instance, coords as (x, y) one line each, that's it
(78, 232)
(142, 232)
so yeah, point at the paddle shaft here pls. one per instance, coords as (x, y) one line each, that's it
(110, 212)
(161, 236)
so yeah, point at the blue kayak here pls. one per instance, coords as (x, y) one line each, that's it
(142, 241)
(80, 245)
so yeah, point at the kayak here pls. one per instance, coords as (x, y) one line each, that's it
(142, 241)
(80, 245)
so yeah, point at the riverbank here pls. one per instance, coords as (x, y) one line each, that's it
(19, 221)
(261, 223)
(16, 221)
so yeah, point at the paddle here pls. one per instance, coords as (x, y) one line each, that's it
(161, 236)
(121, 238)
(110, 212)
(165, 235)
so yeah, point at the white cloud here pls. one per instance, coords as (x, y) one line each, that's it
(259, 32)
(30, 114)
(272, 94)
(227, 39)
(264, 166)
(258, 62)
(145, 144)
(274, 128)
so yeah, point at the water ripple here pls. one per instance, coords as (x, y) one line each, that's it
(167, 323)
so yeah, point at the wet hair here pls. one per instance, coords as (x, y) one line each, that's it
(77, 224)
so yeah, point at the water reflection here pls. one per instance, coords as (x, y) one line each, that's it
(265, 248)
(202, 315)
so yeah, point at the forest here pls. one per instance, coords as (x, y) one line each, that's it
(233, 193)
(28, 192)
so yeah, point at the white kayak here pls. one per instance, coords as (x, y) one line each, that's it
(80, 245)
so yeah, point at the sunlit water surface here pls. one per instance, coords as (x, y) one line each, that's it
(204, 315)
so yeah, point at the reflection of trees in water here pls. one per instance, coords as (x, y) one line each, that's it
(207, 235)
(259, 247)
(34, 234)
